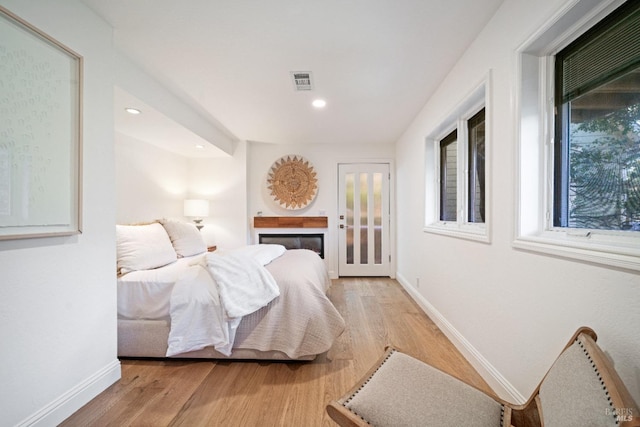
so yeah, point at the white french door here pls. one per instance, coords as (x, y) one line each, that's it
(363, 209)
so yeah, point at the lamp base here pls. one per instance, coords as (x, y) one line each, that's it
(198, 224)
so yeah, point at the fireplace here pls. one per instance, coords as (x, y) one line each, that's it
(311, 241)
(292, 232)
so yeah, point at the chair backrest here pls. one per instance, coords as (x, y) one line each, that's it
(582, 389)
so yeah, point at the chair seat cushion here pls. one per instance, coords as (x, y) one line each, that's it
(573, 393)
(428, 397)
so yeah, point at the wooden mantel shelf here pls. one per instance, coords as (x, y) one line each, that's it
(290, 221)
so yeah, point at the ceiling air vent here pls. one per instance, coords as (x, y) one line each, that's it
(302, 80)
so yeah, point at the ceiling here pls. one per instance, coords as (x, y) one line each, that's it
(156, 128)
(375, 62)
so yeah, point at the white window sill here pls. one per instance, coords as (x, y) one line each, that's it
(473, 232)
(614, 251)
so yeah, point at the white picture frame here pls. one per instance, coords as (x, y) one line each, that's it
(40, 133)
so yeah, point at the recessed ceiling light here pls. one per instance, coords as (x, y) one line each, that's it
(319, 103)
(199, 146)
(131, 110)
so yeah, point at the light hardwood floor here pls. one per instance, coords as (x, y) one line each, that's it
(377, 312)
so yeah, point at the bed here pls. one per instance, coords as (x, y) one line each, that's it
(176, 299)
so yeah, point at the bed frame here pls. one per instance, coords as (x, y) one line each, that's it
(148, 339)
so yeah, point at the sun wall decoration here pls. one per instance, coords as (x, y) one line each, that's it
(292, 182)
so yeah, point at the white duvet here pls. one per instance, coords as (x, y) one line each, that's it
(145, 294)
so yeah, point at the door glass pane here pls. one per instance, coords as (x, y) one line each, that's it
(364, 218)
(350, 187)
(377, 217)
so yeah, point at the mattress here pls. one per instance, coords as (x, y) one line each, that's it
(145, 294)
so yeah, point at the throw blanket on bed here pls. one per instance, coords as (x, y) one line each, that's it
(197, 318)
(243, 283)
(207, 304)
(302, 321)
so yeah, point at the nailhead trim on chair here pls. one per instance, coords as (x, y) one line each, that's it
(364, 384)
(371, 376)
(604, 387)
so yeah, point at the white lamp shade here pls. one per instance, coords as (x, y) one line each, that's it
(196, 208)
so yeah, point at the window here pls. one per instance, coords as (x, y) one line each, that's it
(579, 136)
(476, 184)
(597, 126)
(455, 171)
(449, 177)
(450, 163)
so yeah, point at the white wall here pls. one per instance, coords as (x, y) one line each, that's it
(325, 159)
(152, 183)
(223, 181)
(510, 311)
(58, 295)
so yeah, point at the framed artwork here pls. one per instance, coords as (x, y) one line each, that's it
(40, 133)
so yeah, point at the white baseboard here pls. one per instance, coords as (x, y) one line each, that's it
(487, 371)
(64, 406)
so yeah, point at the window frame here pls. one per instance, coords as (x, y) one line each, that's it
(457, 120)
(535, 133)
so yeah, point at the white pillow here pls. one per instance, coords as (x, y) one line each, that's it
(185, 237)
(142, 247)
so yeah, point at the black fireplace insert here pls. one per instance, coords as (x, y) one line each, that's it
(314, 242)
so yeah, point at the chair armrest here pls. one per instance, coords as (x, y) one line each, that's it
(336, 409)
(343, 416)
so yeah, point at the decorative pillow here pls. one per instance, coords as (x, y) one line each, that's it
(185, 237)
(143, 247)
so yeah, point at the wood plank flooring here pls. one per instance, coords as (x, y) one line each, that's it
(377, 312)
